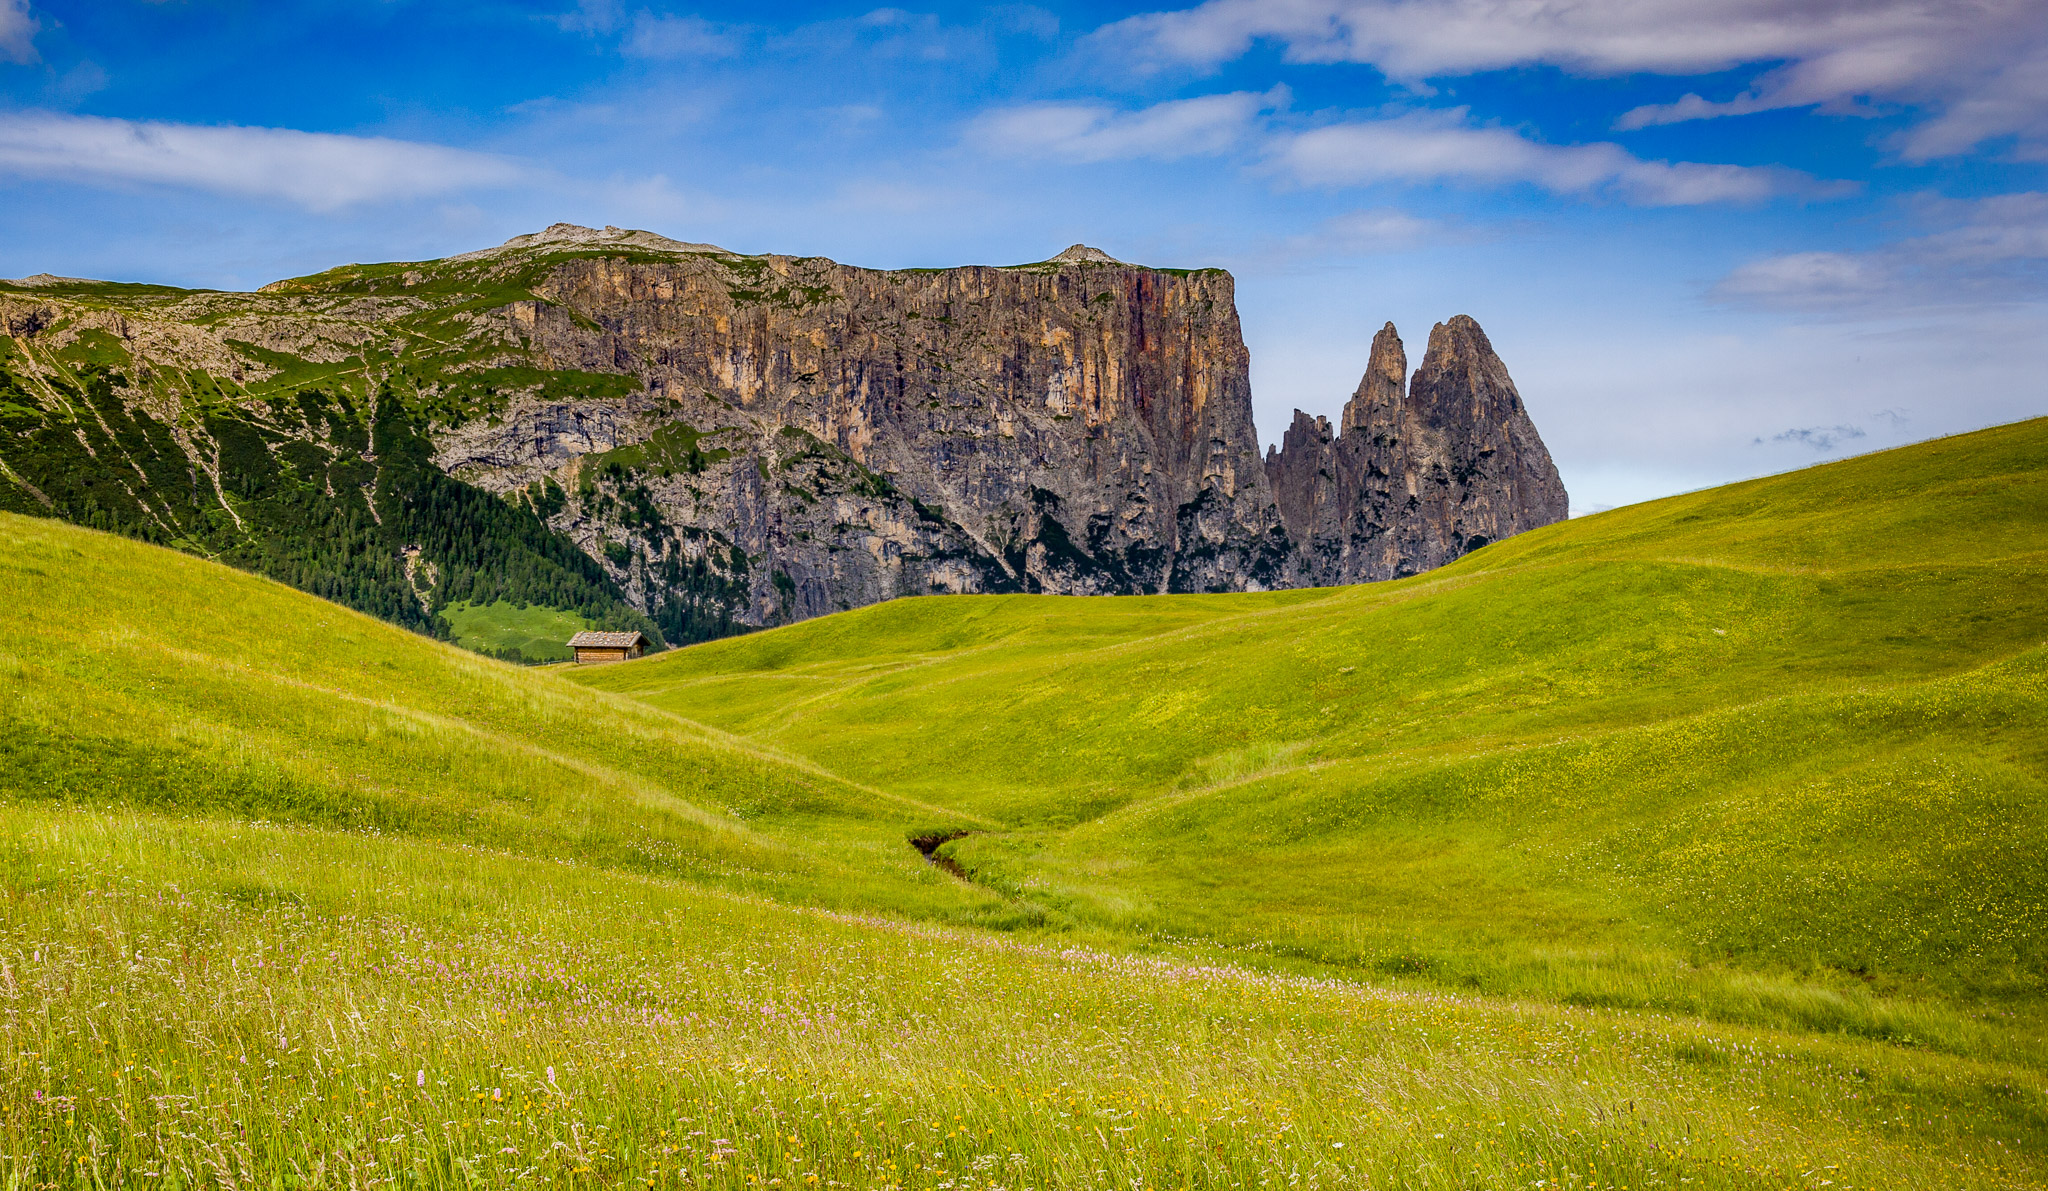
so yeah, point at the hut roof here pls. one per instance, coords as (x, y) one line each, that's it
(592, 639)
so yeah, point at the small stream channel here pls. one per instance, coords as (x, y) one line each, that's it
(928, 845)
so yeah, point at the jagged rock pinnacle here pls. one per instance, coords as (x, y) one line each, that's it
(1424, 469)
(1385, 382)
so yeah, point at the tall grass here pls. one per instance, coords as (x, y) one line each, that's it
(199, 1003)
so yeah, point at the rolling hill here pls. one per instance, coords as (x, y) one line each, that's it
(1696, 844)
(141, 678)
(1771, 752)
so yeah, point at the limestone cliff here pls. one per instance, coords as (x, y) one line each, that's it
(1082, 426)
(1417, 472)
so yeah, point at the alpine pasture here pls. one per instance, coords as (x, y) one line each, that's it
(1697, 844)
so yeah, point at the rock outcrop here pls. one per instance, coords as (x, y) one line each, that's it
(748, 440)
(1082, 426)
(1418, 472)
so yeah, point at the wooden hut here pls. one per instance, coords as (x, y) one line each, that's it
(593, 646)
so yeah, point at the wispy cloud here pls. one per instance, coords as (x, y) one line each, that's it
(1807, 279)
(589, 16)
(1418, 147)
(1181, 128)
(1372, 231)
(1980, 67)
(1443, 146)
(1988, 250)
(1383, 229)
(887, 34)
(315, 170)
(671, 38)
(17, 32)
(1821, 438)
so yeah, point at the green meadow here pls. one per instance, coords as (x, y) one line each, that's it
(1772, 753)
(533, 633)
(1699, 844)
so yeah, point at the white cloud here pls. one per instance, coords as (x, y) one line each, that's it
(1691, 107)
(1806, 279)
(1416, 147)
(1442, 146)
(2014, 99)
(1981, 66)
(678, 37)
(589, 16)
(17, 32)
(1384, 229)
(1206, 125)
(316, 170)
(1990, 251)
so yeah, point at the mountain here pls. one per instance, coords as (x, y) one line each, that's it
(672, 437)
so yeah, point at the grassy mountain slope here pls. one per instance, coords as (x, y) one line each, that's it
(331, 487)
(137, 676)
(1770, 752)
(291, 433)
(534, 633)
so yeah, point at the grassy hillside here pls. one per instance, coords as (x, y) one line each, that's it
(293, 898)
(533, 633)
(135, 676)
(329, 489)
(1769, 753)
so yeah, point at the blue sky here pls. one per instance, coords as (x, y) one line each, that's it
(1711, 238)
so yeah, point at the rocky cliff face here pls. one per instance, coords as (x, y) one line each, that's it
(746, 440)
(1418, 472)
(1082, 426)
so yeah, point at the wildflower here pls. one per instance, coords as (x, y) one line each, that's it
(419, 1078)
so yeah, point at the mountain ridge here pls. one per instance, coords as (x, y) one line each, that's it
(735, 441)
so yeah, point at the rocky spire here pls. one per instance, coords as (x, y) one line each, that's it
(1462, 383)
(1419, 473)
(1384, 384)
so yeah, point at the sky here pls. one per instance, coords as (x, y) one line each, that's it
(1711, 239)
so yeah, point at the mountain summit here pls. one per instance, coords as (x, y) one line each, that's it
(1082, 254)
